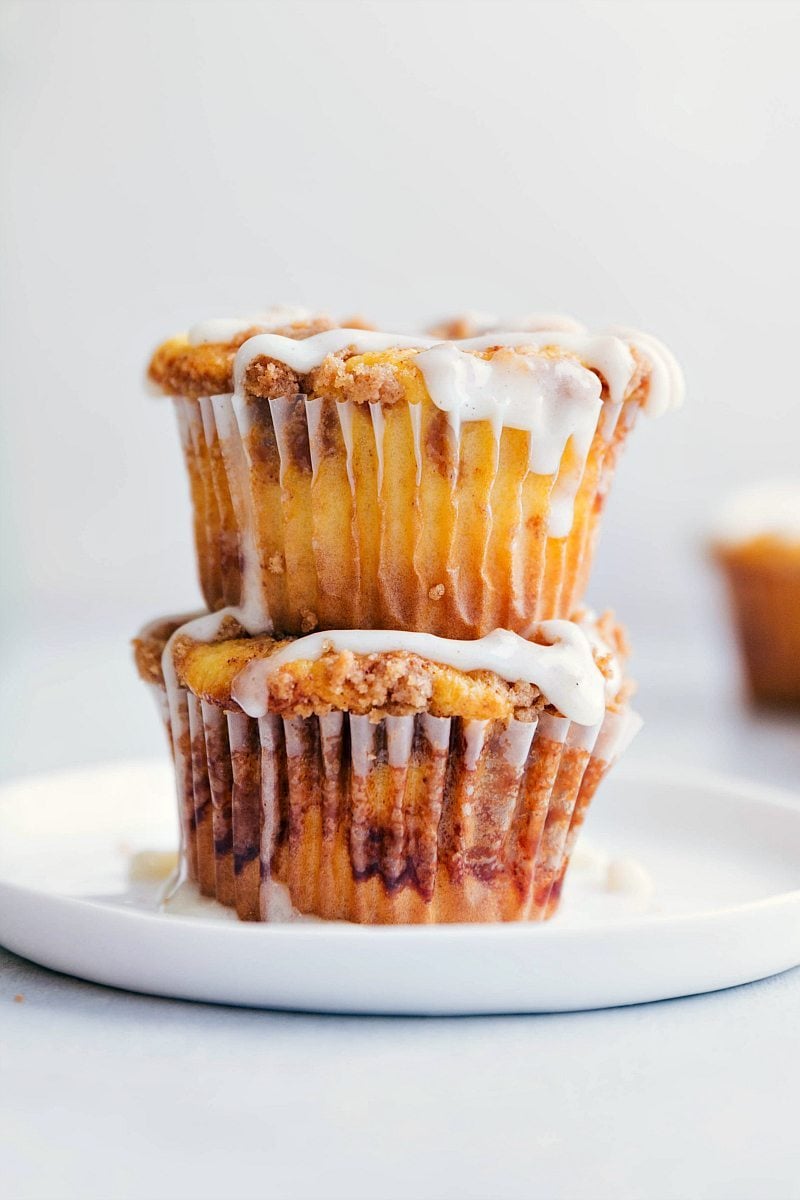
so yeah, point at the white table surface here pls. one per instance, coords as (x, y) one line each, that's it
(109, 1096)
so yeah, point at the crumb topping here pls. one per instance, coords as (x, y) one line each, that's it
(395, 683)
(179, 368)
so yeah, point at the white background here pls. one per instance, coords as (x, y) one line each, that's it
(632, 163)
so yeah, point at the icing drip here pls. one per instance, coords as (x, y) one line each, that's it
(564, 669)
(225, 329)
(562, 498)
(586, 621)
(604, 353)
(553, 399)
(667, 389)
(608, 420)
(550, 398)
(607, 353)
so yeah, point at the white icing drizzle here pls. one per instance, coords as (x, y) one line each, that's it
(307, 354)
(770, 509)
(563, 669)
(666, 387)
(225, 329)
(604, 353)
(607, 353)
(608, 420)
(562, 496)
(551, 398)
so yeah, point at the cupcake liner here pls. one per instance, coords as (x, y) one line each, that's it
(405, 820)
(765, 600)
(203, 825)
(315, 513)
(175, 719)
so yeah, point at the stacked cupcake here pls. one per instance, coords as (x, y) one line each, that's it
(396, 708)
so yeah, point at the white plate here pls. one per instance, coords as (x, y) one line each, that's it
(724, 908)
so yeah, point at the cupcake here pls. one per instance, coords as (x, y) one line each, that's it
(382, 776)
(757, 545)
(344, 478)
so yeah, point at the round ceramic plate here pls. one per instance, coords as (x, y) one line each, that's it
(680, 886)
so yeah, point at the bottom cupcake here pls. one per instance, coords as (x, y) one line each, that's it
(387, 777)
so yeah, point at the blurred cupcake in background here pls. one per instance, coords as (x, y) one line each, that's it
(756, 541)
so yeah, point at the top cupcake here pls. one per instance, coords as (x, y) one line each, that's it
(349, 478)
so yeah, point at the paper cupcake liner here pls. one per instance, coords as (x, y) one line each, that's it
(408, 820)
(326, 514)
(765, 602)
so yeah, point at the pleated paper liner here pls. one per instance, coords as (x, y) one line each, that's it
(340, 515)
(411, 819)
(765, 603)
